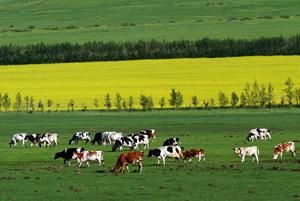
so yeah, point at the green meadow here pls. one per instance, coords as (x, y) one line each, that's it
(30, 173)
(33, 21)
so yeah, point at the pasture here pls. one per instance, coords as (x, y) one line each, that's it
(203, 77)
(32, 174)
(33, 21)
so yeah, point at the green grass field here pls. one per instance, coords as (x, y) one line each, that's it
(32, 174)
(33, 21)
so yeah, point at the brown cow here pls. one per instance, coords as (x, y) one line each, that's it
(284, 147)
(189, 154)
(126, 158)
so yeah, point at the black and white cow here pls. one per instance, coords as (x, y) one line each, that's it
(18, 137)
(106, 137)
(166, 151)
(82, 135)
(33, 138)
(171, 141)
(140, 139)
(67, 154)
(259, 134)
(123, 142)
(151, 133)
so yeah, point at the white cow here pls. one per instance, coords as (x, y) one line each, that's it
(87, 156)
(110, 137)
(247, 151)
(18, 137)
(259, 133)
(166, 151)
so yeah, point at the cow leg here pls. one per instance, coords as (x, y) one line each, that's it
(140, 166)
(243, 159)
(281, 155)
(255, 157)
(87, 163)
(127, 168)
(164, 161)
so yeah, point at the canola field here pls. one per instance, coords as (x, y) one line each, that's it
(203, 77)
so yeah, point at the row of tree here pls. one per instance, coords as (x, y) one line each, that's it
(253, 95)
(152, 49)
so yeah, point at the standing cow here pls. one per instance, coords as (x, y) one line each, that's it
(284, 147)
(82, 135)
(166, 151)
(86, 156)
(247, 151)
(189, 154)
(18, 137)
(259, 134)
(151, 133)
(127, 158)
(67, 154)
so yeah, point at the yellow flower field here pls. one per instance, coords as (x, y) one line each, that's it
(203, 77)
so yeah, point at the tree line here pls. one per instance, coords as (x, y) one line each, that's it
(253, 95)
(152, 49)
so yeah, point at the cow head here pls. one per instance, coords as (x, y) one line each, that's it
(117, 144)
(237, 150)
(277, 152)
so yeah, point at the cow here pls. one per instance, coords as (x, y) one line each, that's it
(189, 154)
(18, 137)
(259, 133)
(110, 137)
(82, 135)
(123, 142)
(247, 151)
(98, 139)
(151, 133)
(171, 141)
(86, 156)
(166, 151)
(284, 147)
(127, 158)
(140, 139)
(33, 138)
(67, 154)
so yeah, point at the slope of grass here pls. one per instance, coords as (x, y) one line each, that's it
(204, 77)
(53, 21)
(36, 176)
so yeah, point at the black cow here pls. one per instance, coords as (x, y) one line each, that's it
(98, 138)
(67, 154)
(171, 141)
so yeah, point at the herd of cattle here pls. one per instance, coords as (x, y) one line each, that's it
(169, 149)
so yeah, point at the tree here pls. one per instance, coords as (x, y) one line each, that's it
(1, 101)
(262, 96)
(243, 100)
(289, 90)
(6, 102)
(176, 98)
(211, 103)
(26, 99)
(107, 102)
(234, 99)
(195, 101)
(49, 104)
(96, 103)
(18, 102)
(41, 106)
(297, 95)
(255, 94)
(118, 101)
(146, 102)
(162, 102)
(282, 101)
(270, 95)
(31, 104)
(130, 103)
(124, 104)
(57, 106)
(247, 95)
(71, 105)
(84, 107)
(223, 100)
(206, 104)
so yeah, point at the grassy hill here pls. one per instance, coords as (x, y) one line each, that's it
(32, 21)
(203, 77)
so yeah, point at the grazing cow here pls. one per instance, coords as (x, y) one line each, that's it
(80, 136)
(98, 138)
(33, 138)
(126, 158)
(123, 141)
(166, 151)
(67, 154)
(189, 154)
(150, 132)
(247, 151)
(284, 147)
(18, 137)
(171, 142)
(259, 133)
(110, 137)
(86, 156)
(140, 139)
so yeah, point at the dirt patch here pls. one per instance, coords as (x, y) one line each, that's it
(9, 178)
